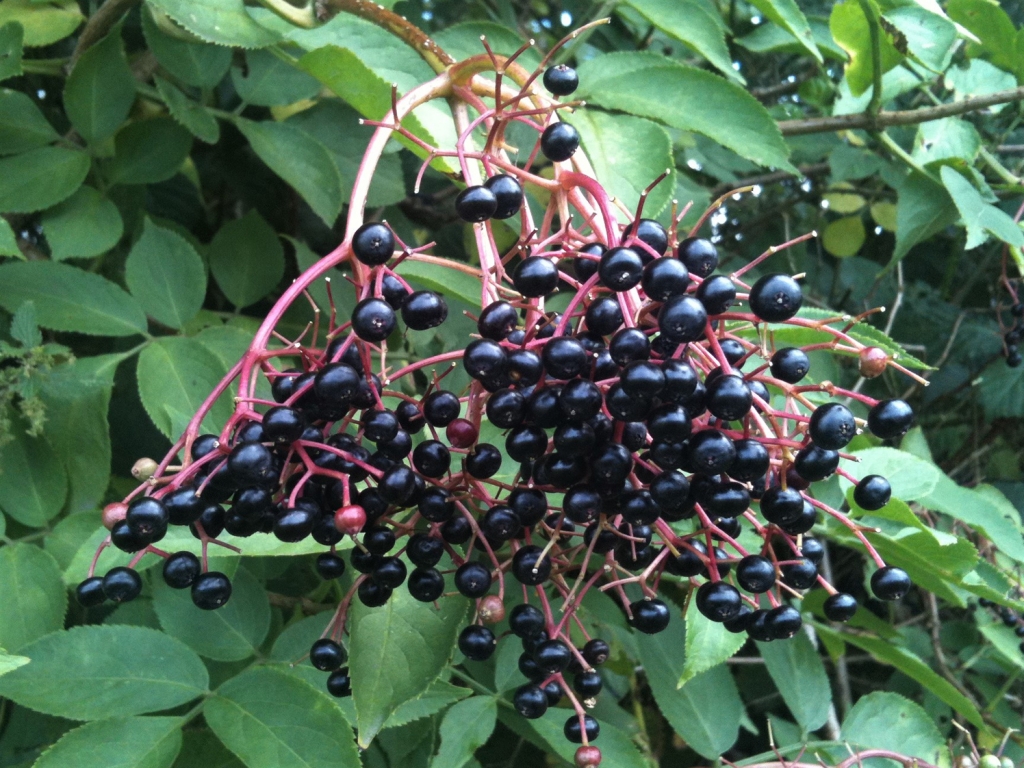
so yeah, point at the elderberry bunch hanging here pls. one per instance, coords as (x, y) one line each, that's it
(650, 425)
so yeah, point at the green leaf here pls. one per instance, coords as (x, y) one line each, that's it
(198, 64)
(929, 36)
(10, 662)
(68, 534)
(923, 208)
(231, 633)
(799, 674)
(273, 720)
(43, 23)
(86, 674)
(100, 90)
(851, 31)
(22, 125)
(24, 328)
(628, 153)
(268, 81)
(911, 478)
(246, 259)
(1002, 638)
(8, 242)
(166, 275)
(360, 61)
(87, 224)
(438, 696)
(983, 508)
(701, 102)
(463, 40)
(844, 237)
(11, 40)
(148, 151)
(994, 30)
(771, 38)
(787, 14)
(223, 22)
(706, 711)
(176, 374)
(617, 748)
(397, 651)
(33, 483)
(910, 665)
(883, 720)
(202, 749)
(40, 178)
(981, 219)
(190, 114)
(35, 601)
(978, 78)
(338, 127)
(464, 729)
(948, 139)
(69, 299)
(444, 280)
(708, 644)
(1002, 390)
(300, 160)
(691, 24)
(123, 742)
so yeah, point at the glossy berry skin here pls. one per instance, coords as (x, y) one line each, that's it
(441, 408)
(181, 570)
(339, 684)
(561, 80)
(790, 364)
(431, 458)
(497, 321)
(755, 574)
(651, 234)
(477, 642)
(526, 620)
(90, 592)
(890, 419)
(530, 701)
(329, 566)
(839, 607)
(326, 655)
(483, 462)
(535, 276)
(373, 319)
(552, 656)
(147, 518)
(782, 506)
(472, 580)
(390, 572)
(832, 426)
(564, 358)
(423, 310)
(574, 732)
(559, 142)
(211, 590)
(336, 383)
(890, 583)
(683, 319)
(800, 575)
(783, 622)
(718, 601)
(529, 568)
(476, 204)
(604, 316)
(373, 244)
(620, 269)
(776, 298)
(649, 616)
(716, 293)
(751, 461)
(664, 278)
(729, 398)
(814, 463)
(122, 585)
(700, 256)
(509, 194)
(373, 594)
(872, 492)
(426, 584)
(587, 684)
(711, 452)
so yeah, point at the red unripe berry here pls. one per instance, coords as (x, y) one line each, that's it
(588, 757)
(350, 520)
(492, 609)
(114, 514)
(461, 433)
(873, 361)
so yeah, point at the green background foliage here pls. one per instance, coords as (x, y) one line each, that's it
(167, 167)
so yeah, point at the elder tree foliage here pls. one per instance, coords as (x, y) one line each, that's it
(168, 169)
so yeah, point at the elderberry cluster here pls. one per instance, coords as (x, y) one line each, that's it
(1012, 338)
(656, 433)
